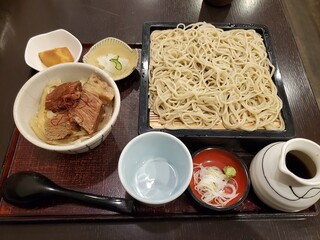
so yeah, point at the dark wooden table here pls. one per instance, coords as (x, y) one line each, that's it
(93, 20)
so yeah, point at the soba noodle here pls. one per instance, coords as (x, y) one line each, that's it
(201, 77)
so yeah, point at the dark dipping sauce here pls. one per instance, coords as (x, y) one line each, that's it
(300, 164)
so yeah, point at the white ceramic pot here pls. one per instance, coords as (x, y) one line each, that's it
(286, 175)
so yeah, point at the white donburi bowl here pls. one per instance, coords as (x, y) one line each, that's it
(51, 40)
(155, 168)
(27, 103)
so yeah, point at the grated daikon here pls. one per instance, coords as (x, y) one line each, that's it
(215, 187)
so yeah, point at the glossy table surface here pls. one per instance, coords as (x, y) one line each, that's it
(93, 20)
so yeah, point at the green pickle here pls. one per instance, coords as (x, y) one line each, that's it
(118, 64)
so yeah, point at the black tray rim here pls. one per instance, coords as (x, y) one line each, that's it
(96, 217)
(143, 122)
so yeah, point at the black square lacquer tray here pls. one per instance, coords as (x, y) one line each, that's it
(214, 136)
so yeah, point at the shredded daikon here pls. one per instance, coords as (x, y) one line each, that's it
(214, 186)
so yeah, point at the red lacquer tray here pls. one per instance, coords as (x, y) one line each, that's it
(96, 172)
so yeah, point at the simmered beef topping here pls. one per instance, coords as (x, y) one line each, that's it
(74, 106)
(88, 112)
(59, 126)
(99, 88)
(64, 96)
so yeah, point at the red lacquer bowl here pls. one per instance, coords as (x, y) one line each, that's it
(221, 158)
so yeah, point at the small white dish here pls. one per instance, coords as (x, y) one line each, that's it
(155, 168)
(103, 52)
(47, 41)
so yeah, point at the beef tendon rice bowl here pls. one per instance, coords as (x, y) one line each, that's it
(73, 111)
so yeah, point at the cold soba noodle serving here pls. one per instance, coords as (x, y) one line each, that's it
(202, 77)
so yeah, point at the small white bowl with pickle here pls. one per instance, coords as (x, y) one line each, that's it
(51, 48)
(68, 108)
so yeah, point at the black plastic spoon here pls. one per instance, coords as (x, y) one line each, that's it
(30, 189)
